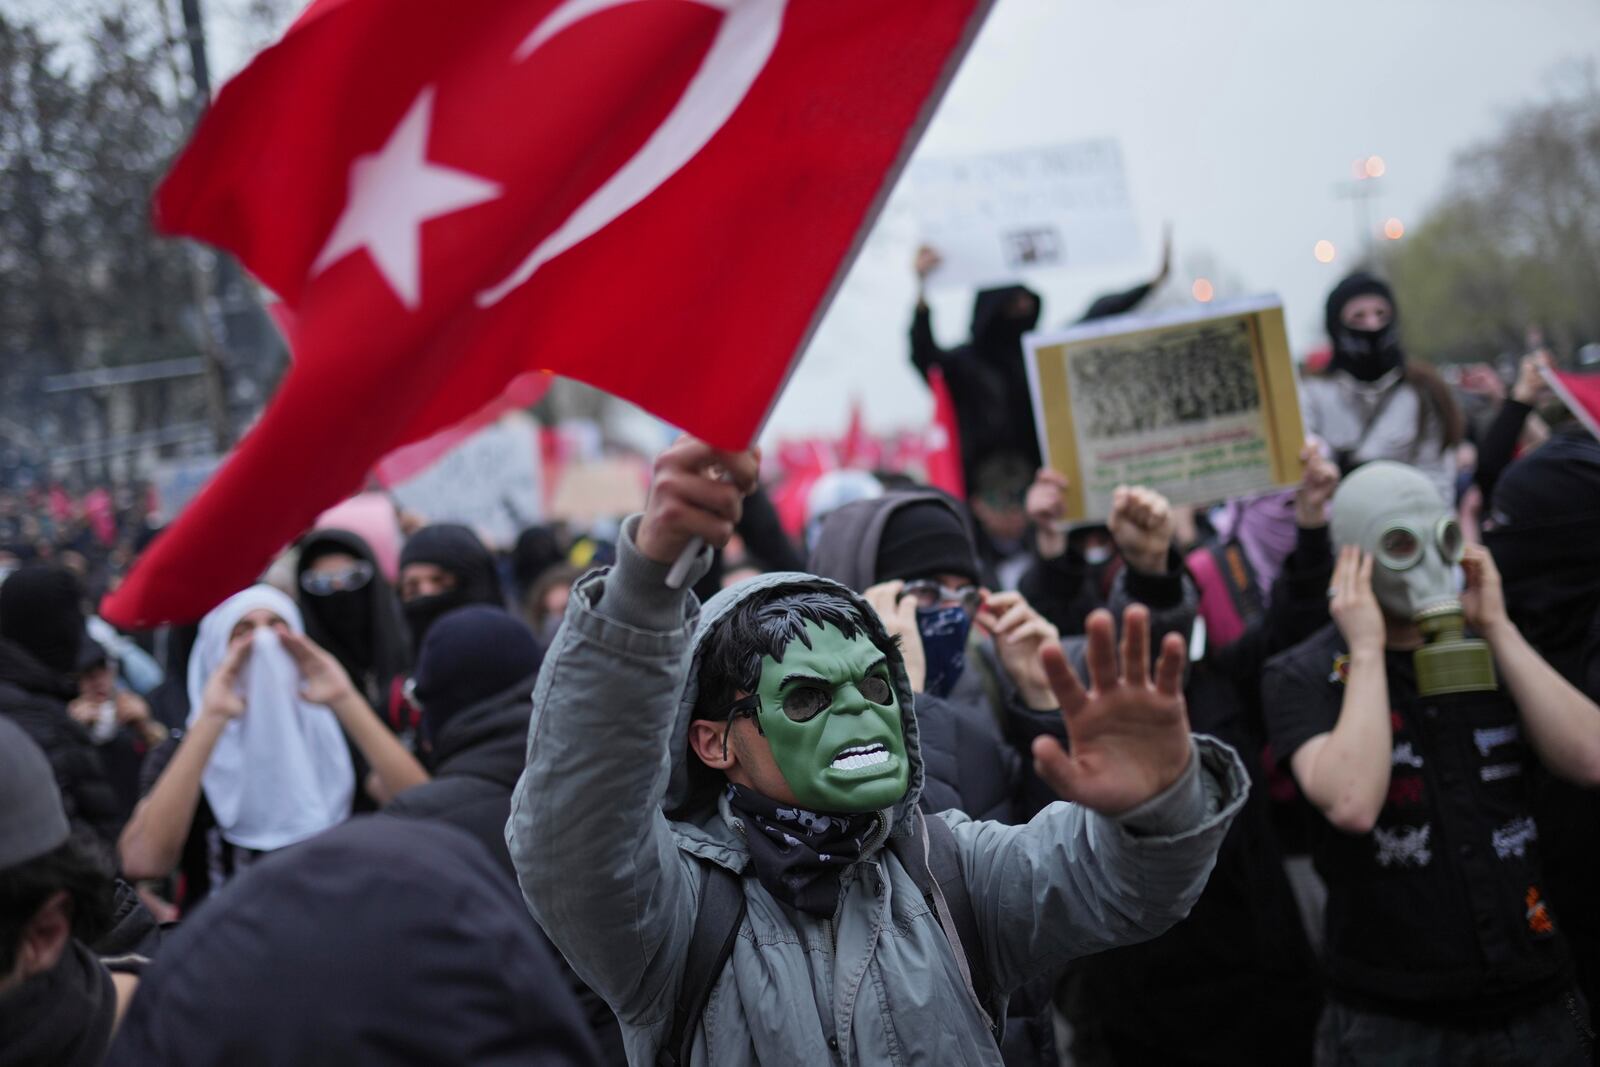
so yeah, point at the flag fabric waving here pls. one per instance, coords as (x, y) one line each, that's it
(657, 197)
(1581, 394)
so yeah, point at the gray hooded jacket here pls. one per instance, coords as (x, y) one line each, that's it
(615, 880)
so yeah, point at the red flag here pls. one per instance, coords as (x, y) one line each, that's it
(944, 451)
(1581, 394)
(655, 197)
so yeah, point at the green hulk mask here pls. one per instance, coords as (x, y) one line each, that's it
(832, 718)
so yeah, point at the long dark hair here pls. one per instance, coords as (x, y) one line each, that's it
(1437, 407)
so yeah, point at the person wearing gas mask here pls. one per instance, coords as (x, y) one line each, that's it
(1416, 742)
(719, 824)
(1372, 403)
(264, 762)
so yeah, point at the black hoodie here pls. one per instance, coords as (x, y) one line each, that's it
(362, 628)
(382, 941)
(35, 697)
(987, 378)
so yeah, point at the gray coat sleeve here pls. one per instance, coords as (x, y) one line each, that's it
(594, 855)
(1072, 882)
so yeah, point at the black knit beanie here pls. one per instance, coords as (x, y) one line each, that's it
(41, 610)
(470, 655)
(922, 539)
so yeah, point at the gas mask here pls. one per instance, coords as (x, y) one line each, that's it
(1394, 512)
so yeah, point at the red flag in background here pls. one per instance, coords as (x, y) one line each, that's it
(944, 455)
(1581, 394)
(657, 197)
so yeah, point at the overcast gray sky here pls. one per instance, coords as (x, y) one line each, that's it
(1237, 119)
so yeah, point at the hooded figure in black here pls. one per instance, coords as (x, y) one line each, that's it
(987, 378)
(467, 575)
(474, 681)
(1544, 532)
(359, 622)
(41, 633)
(295, 965)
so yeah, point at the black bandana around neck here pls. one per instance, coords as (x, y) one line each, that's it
(800, 854)
(62, 1017)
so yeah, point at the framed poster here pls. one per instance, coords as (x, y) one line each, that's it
(1197, 405)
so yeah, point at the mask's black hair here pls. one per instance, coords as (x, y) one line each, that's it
(764, 625)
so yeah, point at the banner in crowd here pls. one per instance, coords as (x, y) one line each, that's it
(1000, 216)
(491, 481)
(1199, 406)
(434, 236)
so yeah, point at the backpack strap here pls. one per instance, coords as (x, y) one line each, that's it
(934, 862)
(1239, 578)
(716, 928)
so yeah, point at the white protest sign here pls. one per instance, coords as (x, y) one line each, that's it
(994, 218)
(491, 482)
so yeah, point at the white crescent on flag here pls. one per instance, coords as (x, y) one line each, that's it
(744, 42)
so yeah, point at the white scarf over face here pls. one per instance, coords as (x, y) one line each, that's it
(281, 772)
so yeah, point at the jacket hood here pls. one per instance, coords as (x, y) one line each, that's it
(490, 738)
(21, 668)
(988, 313)
(846, 549)
(693, 788)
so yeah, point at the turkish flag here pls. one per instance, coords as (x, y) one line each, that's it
(1581, 394)
(657, 197)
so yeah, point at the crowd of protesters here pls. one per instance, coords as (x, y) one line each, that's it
(410, 800)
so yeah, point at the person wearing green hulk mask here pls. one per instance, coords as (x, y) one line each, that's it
(746, 777)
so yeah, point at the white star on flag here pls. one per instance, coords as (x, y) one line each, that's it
(392, 193)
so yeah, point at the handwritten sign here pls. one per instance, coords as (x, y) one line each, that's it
(490, 482)
(997, 217)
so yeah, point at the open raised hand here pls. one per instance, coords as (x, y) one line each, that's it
(1128, 734)
(323, 680)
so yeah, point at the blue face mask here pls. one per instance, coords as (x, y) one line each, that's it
(944, 645)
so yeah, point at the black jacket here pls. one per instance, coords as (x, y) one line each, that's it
(36, 698)
(382, 941)
(987, 378)
(478, 757)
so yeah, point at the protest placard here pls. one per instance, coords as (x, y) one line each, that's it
(491, 482)
(176, 481)
(997, 217)
(1198, 405)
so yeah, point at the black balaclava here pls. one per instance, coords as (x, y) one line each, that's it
(455, 549)
(471, 655)
(1543, 527)
(1365, 355)
(538, 549)
(360, 627)
(41, 610)
(997, 327)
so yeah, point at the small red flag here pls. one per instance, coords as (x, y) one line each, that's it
(944, 451)
(1581, 394)
(657, 197)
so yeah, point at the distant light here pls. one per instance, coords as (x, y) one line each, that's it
(1375, 167)
(1394, 229)
(1358, 170)
(1203, 290)
(1324, 251)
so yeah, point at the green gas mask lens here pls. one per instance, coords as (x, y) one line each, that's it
(1401, 547)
